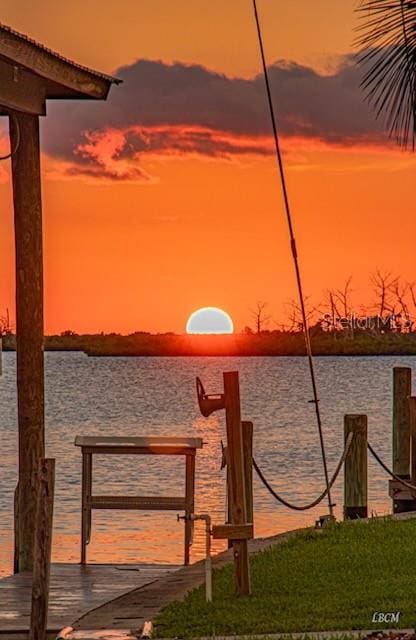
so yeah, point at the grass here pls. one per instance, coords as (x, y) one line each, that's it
(328, 580)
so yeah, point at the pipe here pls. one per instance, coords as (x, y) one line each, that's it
(208, 563)
(147, 630)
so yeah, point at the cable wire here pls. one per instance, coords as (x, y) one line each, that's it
(315, 400)
(319, 499)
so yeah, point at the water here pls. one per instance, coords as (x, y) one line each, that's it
(156, 396)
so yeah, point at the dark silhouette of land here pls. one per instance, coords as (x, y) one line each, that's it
(266, 343)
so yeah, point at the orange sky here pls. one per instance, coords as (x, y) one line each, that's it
(204, 231)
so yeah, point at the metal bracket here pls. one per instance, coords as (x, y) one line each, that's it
(208, 403)
(324, 521)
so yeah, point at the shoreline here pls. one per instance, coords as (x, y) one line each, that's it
(316, 354)
(239, 345)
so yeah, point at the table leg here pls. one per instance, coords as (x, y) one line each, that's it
(190, 504)
(89, 487)
(86, 509)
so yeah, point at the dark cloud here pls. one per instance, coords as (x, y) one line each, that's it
(181, 140)
(182, 109)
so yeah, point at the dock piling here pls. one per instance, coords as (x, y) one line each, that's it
(403, 501)
(355, 468)
(402, 386)
(42, 549)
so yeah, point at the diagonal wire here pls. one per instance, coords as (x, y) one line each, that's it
(295, 257)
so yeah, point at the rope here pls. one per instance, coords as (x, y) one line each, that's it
(389, 471)
(13, 151)
(315, 400)
(319, 499)
(321, 496)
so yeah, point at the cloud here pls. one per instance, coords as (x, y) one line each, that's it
(177, 109)
(185, 139)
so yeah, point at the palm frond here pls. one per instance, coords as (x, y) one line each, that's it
(387, 41)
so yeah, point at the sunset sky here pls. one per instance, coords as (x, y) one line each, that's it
(165, 198)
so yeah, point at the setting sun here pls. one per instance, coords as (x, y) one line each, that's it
(209, 320)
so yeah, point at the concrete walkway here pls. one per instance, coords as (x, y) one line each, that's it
(131, 610)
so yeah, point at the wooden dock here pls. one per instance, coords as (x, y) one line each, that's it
(75, 590)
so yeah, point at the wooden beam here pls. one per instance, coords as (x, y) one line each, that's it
(152, 503)
(24, 134)
(232, 531)
(64, 74)
(21, 90)
(399, 493)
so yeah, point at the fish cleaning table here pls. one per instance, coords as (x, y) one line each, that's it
(164, 446)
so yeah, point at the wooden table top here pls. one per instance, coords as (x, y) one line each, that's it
(151, 443)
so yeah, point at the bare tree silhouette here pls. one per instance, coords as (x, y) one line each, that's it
(294, 315)
(331, 319)
(384, 285)
(340, 308)
(260, 317)
(344, 297)
(400, 291)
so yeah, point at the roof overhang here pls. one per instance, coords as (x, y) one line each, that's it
(30, 74)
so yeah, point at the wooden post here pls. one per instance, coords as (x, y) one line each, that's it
(355, 468)
(24, 136)
(16, 530)
(402, 388)
(237, 480)
(42, 550)
(248, 474)
(190, 506)
(228, 490)
(248, 467)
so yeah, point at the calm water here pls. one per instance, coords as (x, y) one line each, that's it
(156, 396)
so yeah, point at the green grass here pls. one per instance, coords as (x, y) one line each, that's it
(328, 580)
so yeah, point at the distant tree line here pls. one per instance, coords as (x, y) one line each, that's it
(391, 309)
